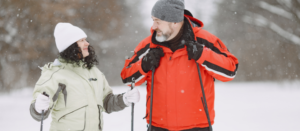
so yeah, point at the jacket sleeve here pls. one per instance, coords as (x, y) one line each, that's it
(49, 86)
(217, 60)
(133, 66)
(111, 102)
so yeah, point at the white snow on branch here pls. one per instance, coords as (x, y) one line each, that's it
(298, 14)
(261, 21)
(275, 10)
(287, 3)
(257, 21)
(295, 39)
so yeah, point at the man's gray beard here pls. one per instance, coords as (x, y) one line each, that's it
(161, 38)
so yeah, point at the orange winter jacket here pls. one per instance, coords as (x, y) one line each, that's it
(177, 95)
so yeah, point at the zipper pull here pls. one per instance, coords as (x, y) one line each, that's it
(170, 57)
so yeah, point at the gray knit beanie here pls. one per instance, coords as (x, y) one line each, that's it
(169, 10)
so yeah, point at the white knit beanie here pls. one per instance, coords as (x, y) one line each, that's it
(66, 34)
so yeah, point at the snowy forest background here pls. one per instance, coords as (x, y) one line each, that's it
(263, 34)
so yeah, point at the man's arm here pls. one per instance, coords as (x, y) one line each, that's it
(217, 60)
(133, 66)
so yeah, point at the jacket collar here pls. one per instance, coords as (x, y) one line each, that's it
(62, 62)
(79, 70)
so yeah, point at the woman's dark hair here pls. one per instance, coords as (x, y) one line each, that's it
(73, 55)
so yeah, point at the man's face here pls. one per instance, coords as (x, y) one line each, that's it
(163, 29)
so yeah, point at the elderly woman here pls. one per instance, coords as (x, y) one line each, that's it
(75, 90)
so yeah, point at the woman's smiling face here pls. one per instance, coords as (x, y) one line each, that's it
(84, 46)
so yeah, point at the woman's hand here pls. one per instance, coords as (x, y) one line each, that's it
(42, 103)
(131, 96)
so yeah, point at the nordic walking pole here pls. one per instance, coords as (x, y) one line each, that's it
(205, 104)
(42, 120)
(132, 105)
(44, 93)
(151, 100)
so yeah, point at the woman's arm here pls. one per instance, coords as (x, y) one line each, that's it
(111, 102)
(50, 87)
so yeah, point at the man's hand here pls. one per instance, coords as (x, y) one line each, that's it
(131, 96)
(152, 59)
(42, 103)
(194, 50)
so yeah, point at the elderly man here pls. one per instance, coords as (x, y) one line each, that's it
(176, 46)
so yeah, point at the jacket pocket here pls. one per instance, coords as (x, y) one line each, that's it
(72, 120)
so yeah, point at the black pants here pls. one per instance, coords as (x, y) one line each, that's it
(162, 129)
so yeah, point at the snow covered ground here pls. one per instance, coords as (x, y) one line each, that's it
(251, 106)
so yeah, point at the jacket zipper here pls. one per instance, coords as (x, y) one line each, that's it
(84, 121)
(99, 118)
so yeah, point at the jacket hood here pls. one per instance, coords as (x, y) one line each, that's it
(51, 65)
(59, 62)
(194, 20)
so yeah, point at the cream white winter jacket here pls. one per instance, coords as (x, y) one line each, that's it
(78, 97)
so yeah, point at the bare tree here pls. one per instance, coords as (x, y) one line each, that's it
(26, 33)
(288, 10)
(264, 35)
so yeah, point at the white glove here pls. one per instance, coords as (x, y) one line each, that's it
(131, 96)
(42, 103)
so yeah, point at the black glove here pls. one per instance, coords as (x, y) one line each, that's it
(194, 50)
(152, 59)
